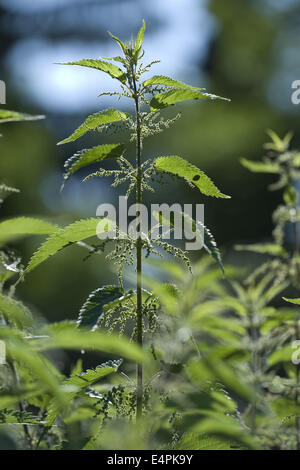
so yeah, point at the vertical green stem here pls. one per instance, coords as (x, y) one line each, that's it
(139, 400)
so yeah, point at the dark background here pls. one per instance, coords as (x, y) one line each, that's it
(246, 50)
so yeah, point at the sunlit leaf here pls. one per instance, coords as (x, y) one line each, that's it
(78, 231)
(95, 120)
(107, 67)
(168, 98)
(180, 167)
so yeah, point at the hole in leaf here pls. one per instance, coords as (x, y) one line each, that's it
(196, 177)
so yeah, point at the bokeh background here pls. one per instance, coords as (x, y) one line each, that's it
(245, 50)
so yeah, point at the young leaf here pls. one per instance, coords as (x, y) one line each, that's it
(9, 116)
(180, 167)
(12, 228)
(92, 309)
(139, 41)
(260, 167)
(107, 67)
(168, 98)
(78, 231)
(93, 155)
(121, 44)
(95, 120)
(166, 81)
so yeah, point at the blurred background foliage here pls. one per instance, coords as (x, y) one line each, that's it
(245, 50)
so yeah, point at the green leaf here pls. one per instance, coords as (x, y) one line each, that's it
(107, 67)
(68, 336)
(19, 417)
(93, 308)
(209, 243)
(139, 41)
(260, 167)
(290, 196)
(121, 44)
(292, 301)
(90, 376)
(140, 37)
(278, 144)
(166, 81)
(80, 382)
(168, 98)
(284, 354)
(268, 249)
(93, 155)
(180, 167)
(95, 120)
(6, 191)
(73, 233)
(12, 228)
(14, 310)
(8, 116)
(197, 441)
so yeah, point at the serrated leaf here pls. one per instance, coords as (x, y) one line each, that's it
(19, 417)
(201, 441)
(268, 249)
(15, 311)
(6, 191)
(12, 228)
(93, 308)
(95, 120)
(78, 231)
(90, 376)
(209, 243)
(88, 156)
(107, 67)
(260, 167)
(9, 116)
(167, 81)
(82, 381)
(180, 167)
(168, 98)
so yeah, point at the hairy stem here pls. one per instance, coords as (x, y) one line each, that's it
(139, 398)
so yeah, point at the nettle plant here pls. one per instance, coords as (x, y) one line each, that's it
(271, 334)
(34, 392)
(149, 98)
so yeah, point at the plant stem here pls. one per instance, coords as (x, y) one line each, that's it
(139, 325)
